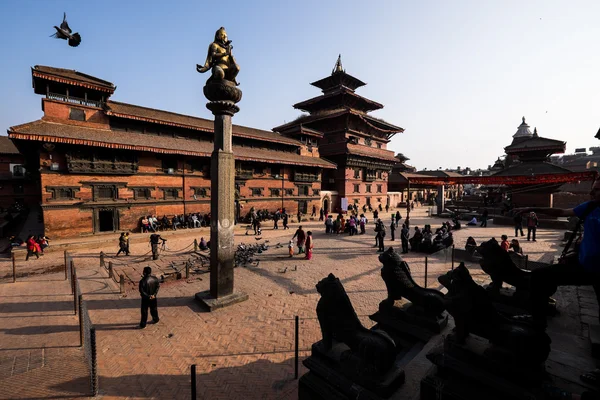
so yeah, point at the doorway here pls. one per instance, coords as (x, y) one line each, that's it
(106, 220)
(326, 206)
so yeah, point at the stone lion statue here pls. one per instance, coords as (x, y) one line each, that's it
(372, 352)
(399, 283)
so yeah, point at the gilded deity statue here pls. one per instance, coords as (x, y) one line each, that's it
(220, 59)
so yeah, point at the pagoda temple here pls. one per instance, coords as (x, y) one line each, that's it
(339, 125)
(529, 154)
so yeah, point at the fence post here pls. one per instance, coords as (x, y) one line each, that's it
(81, 327)
(425, 272)
(94, 372)
(102, 264)
(187, 270)
(72, 277)
(193, 381)
(75, 291)
(195, 244)
(66, 266)
(452, 257)
(110, 270)
(296, 351)
(14, 265)
(121, 283)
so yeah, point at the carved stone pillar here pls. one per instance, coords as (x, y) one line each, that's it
(222, 95)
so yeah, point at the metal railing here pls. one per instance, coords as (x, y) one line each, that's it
(87, 331)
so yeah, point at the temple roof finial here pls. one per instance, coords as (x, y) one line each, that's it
(523, 130)
(338, 66)
(535, 134)
(523, 119)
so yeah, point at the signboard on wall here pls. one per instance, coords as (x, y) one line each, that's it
(344, 203)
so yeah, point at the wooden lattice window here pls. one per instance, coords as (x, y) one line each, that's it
(141, 193)
(289, 192)
(64, 194)
(256, 191)
(201, 191)
(106, 192)
(274, 192)
(170, 193)
(368, 141)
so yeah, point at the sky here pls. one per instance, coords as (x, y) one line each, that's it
(456, 75)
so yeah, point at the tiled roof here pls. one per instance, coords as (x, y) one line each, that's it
(440, 173)
(376, 123)
(130, 111)
(7, 146)
(65, 133)
(531, 168)
(52, 73)
(535, 143)
(340, 97)
(372, 152)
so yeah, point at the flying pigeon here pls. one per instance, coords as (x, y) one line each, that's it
(64, 32)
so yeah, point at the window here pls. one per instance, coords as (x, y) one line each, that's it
(289, 192)
(200, 192)
(378, 145)
(379, 175)
(63, 194)
(18, 170)
(169, 165)
(171, 193)
(274, 192)
(378, 188)
(356, 188)
(368, 188)
(76, 114)
(256, 191)
(356, 173)
(303, 190)
(18, 189)
(259, 170)
(316, 192)
(368, 141)
(105, 192)
(141, 193)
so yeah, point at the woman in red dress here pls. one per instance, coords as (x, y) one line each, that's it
(309, 245)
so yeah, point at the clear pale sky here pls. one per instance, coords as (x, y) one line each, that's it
(456, 75)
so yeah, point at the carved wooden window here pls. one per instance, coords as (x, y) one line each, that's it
(275, 192)
(18, 170)
(142, 193)
(356, 173)
(201, 191)
(316, 192)
(63, 194)
(76, 114)
(256, 191)
(368, 188)
(170, 193)
(289, 192)
(303, 190)
(105, 192)
(368, 141)
(379, 175)
(356, 188)
(379, 188)
(378, 145)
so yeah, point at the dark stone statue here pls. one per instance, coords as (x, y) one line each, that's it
(399, 284)
(371, 352)
(516, 342)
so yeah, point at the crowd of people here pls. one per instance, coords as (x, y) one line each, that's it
(151, 223)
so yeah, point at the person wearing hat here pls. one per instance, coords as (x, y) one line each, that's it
(148, 287)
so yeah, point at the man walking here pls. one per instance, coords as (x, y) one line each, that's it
(314, 211)
(393, 229)
(301, 239)
(148, 287)
(532, 223)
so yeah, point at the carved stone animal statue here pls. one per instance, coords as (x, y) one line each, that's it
(399, 283)
(372, 352)
(497, 263)
(473, 311)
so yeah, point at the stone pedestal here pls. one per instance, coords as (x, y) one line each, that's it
(223, 95)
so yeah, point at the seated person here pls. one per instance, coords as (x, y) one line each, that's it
(472, 222)
(471, 245)
(515, 246)
(448, 240)
(427, 242)
(457, 224)
(415, 241)
(203, 244)
(145, 225)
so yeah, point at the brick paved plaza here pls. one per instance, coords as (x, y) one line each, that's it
(242, 352)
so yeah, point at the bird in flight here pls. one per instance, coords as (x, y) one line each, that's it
(64, 32)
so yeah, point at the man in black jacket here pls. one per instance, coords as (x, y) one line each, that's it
(149, 286)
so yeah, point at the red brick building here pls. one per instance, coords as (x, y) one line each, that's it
(104, 164)
(338, 124)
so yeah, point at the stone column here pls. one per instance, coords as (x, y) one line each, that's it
(223, 96)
